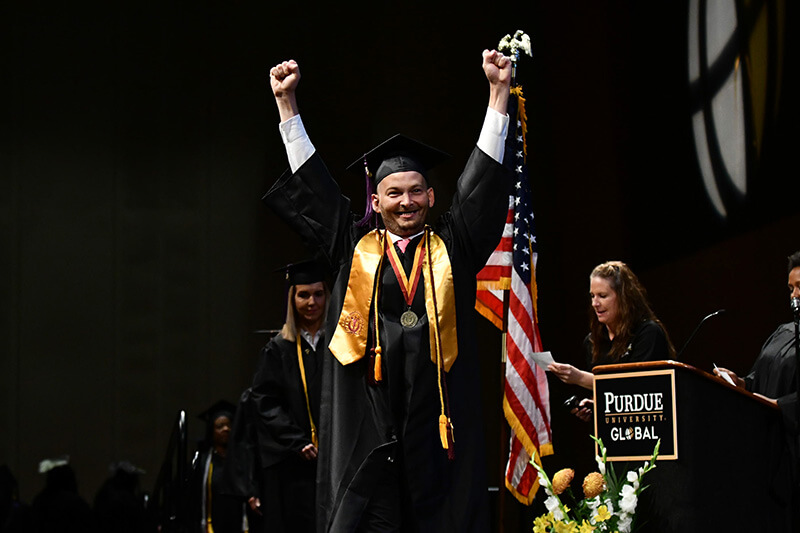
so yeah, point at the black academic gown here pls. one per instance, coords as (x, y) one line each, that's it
(283, 429)
(363, 426)
(227, 512)
(774, 374)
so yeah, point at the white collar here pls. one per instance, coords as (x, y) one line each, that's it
(311, 339)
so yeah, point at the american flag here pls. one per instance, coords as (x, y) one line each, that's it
(526, 397)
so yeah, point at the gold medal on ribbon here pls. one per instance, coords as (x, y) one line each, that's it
(409, 318)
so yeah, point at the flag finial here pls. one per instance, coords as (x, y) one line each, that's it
(512, 46)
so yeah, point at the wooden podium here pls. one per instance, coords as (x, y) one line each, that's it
(723, 466)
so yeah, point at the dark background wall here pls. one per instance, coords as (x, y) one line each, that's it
(136, 260)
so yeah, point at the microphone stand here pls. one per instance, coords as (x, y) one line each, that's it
(685, 344)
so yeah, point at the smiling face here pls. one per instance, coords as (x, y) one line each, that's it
(403, 200)
(604, 302)
(309, 301)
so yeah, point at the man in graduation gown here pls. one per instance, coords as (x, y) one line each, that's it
(401, 445)
(275, 439)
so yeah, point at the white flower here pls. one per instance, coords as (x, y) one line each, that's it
(601, 465)
(624, 524)
(542, 479)
(610, 506)
(551, 503)
(628, 504)
(629, 499)
(634, 479)
(594, 503)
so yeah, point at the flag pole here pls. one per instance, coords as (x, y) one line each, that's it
(510, 46)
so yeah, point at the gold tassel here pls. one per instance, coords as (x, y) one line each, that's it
(378, 372)
(443, 431)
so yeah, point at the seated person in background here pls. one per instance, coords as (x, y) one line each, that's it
(15, 516)
(59, 507)
(623, 328)
(119, 505)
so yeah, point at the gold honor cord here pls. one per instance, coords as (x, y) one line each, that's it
(305, 390)
(377, 360)
(209, 527)
(445, 424)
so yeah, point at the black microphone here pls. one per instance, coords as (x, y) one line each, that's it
(715, 313)
(795, 306)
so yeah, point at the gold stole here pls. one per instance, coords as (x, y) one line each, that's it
(349, 341)
(209, 527)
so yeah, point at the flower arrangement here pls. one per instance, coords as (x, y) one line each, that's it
(609, 504)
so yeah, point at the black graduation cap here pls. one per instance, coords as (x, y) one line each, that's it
(304, 272)
(398, 154)
(220, 408)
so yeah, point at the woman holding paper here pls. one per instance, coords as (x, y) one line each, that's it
(774, 378)
(623, 328)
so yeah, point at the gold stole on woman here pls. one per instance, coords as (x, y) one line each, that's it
(349, 341)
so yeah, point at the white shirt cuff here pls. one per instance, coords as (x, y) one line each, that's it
(298, 146)
(492, 139)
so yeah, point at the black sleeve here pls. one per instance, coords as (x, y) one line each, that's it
(241, 457)
(270, 388)
(479, 208)
(310, 202)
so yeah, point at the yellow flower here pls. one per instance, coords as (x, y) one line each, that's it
(541, 523)
(602, 514)
(586, 527)
(565, 527)
(593, 484)
(562, 479)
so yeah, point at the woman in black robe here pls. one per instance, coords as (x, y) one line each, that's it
(774, 378)
(274, 443)
(215, 511)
